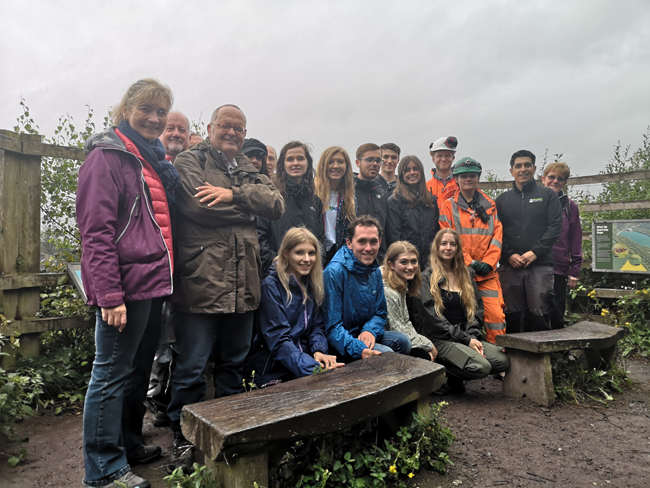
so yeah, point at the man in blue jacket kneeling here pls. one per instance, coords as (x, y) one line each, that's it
(355, 307)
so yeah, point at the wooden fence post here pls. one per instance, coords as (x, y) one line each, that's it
(20, 234)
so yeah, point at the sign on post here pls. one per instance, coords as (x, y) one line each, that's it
(621, 246)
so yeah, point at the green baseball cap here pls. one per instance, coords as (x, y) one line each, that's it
(467, 165)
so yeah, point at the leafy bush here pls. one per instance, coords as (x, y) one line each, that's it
(353, 458)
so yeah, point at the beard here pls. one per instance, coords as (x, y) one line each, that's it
(174, 148)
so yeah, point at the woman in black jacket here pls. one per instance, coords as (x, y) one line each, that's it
(412, 210)
(294, 178)
(449, 312)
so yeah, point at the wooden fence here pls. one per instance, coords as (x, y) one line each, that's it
(20, 238)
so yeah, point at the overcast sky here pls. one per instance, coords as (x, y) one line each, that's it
(572, 77)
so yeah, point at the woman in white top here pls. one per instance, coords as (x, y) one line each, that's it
(335, 187)
(401, 274)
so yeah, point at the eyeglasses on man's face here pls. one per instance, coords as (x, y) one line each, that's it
(372, 161)
(238, 128)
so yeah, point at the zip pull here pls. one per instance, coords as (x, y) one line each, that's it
(135, 204)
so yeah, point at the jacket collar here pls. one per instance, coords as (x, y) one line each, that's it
(527, 187)
(107, 139)
(346, 257)
(366, 185)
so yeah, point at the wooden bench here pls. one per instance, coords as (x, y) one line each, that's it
(237, 432)
(530, 356)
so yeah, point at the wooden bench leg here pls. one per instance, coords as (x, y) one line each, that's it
(530, 375)
(242, 471)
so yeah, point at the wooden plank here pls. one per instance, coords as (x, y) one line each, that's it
(32, 325)
(30, 280)
(314, 405)
(609, 206)
(608, 293)
(10, 143)
(53, 151)
(575, 180)
(583, 335)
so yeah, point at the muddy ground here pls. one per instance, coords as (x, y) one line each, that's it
(500, 442)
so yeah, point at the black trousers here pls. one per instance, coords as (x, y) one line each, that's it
(558, 306)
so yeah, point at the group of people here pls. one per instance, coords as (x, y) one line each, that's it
(275, 268)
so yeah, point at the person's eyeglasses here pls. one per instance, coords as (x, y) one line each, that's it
(372, 160)
(224, 126)
(558, 178)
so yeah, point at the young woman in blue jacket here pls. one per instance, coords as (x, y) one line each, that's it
(289, 337)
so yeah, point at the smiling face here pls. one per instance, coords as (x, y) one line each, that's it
(295, 164)
(175, 137)
(467, 181)
(443, 160)
(148, 118)
(523, 171)
(389, 161)
(336, 167)
(228, 142)
(412, 175)
(301, 259)
(555, 181)
(369, 164)
(365, 244)
(447, 248)
(405, 265)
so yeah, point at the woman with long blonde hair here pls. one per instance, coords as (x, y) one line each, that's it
(335, 187)
(449, 312)
(289, 337)
(401, 274)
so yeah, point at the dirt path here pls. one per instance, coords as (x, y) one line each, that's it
(500, 442)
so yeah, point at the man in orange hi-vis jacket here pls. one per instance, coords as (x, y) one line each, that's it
(442, 183)
(473, 215)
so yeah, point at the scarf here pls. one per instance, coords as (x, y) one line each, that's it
(154, 154)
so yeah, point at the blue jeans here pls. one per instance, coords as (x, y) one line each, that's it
(394, 341)
(117, 370)
(196, 334)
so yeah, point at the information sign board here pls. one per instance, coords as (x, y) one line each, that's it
(621, 246)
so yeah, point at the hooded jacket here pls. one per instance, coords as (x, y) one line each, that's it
(567, 251)
(354, 303)
(388, 188)
(532, 221)
(417, 225)
(482, 241)
(427, 322)
(286, 334)
(218, 264)
(372, 200)
(124, 254)
(302, 208)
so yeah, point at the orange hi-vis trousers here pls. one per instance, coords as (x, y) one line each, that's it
(494, 319)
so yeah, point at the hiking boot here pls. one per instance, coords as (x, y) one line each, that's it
(455, 384)
(144, 454)
(161, 419)
(129, 480)
(182, 455)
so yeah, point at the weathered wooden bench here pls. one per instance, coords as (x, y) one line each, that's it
(237, 432)
(530, 356)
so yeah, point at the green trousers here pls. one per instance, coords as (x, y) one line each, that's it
(464, 362)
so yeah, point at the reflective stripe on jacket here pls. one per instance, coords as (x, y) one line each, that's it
(441, 191)
(482, 241)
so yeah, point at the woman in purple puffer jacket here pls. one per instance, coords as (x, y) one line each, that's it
(126, 189)
(567, 251)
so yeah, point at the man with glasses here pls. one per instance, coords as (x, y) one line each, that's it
(217, 272)
(442, 184)
(389, 160)
(472, 214)
(532, 221)
(371, 199)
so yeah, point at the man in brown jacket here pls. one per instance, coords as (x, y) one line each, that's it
(217, 265)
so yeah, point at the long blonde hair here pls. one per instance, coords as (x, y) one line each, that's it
(346, 187)
(294, 237)
(412, 287)
(463, 279)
